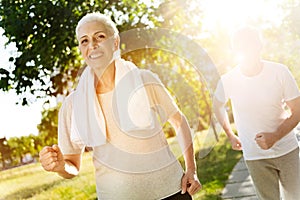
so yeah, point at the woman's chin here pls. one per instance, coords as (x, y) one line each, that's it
(99, 69)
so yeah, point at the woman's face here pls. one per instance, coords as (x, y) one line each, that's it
(96, 45)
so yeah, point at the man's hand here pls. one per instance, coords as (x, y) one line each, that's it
(190, 183)
(52, 159)
(266, 140)
(235, 142)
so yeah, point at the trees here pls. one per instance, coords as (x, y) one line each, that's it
(5, 153)
(43, 31)
(48, 128)
(48, 61)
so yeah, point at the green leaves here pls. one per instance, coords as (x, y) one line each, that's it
(4, 79)
(44, 33)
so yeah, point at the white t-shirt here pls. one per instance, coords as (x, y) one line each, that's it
(258, 106)
(129, 167)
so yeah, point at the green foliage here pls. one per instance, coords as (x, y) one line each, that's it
(5, 152)
(48, 126)
(282, 43)
(181, 79)
(214, 169)
(43, 32)
(48, 59)
(19, 146)
(47, 48)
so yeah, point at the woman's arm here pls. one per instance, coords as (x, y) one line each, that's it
(190, 182)
(52, 160)
(180, 124)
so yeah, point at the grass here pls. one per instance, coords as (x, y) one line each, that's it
(32, 182)
(214, 169)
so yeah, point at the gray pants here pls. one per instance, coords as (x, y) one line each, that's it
(267, 173)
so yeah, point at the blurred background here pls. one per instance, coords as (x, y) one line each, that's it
(40, 62)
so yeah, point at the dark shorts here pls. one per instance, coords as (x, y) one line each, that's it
(179, 196)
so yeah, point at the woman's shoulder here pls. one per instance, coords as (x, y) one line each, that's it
(149, 76)
(67, 101)
(69, 97)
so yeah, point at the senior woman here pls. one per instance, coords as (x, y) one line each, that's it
(118, 110)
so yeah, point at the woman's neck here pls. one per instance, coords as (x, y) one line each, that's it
(106, 82)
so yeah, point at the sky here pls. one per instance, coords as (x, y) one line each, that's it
(16, 120)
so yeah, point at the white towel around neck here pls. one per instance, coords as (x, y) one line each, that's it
(88, 126)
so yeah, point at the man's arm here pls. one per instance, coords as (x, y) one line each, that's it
(222, 117)
(267, 139)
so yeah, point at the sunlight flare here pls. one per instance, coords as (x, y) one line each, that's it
(232, 13)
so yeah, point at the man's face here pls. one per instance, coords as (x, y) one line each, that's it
(247, 46)
(249, 53)
(96, 45)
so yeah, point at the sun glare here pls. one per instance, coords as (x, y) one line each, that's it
(232, 13)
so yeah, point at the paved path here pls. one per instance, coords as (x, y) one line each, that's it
(239, 185)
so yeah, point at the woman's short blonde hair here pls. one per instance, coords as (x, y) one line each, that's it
(109, 25)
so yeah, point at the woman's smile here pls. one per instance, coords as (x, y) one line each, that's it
(96, 55)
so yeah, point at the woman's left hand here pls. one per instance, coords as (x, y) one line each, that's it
(190, 183)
